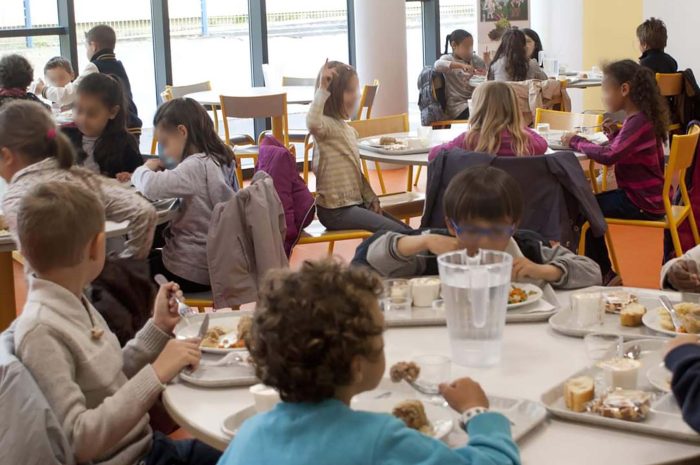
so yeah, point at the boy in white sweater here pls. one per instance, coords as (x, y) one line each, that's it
(99, 392)
(683, 274)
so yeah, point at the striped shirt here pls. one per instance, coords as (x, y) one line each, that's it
(536, 145)
(638, 156)
(339, 179)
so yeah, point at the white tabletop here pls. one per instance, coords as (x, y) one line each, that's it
(440, 136)
(534, 359)
(295, 94)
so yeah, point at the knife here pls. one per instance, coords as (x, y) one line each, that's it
(204, 328)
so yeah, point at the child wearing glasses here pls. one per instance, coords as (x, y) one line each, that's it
(483, 207)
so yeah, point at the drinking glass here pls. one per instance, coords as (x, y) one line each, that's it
(434, 369)
(396, 300)
(587, 309)
(600, 346)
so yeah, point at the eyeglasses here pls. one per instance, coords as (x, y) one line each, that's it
(472, 232)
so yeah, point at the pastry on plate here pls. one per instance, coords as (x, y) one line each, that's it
(404, 370)
(388, 140)
(412, 413)
(623, 404)
(617, 300)
(578, 392)
(632, 314)
(211, 339)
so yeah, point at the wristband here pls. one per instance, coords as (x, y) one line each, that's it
(470, 414)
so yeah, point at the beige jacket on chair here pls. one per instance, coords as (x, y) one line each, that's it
(245, 241)
(533, 94)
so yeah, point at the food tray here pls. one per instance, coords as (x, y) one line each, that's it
(663, 420)
(220, 376)
(371, 143)
(563, 322)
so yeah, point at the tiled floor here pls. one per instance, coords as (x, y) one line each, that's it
(639, 250)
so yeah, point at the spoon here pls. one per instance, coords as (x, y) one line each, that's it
(182, 308)
(633, 352)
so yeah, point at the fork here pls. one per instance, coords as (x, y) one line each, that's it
(668, 306)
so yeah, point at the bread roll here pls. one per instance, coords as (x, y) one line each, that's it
(632, 315)
(577, 392)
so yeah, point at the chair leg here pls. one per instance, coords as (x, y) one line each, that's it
(409, 183)
(604, 184)
(365, 170)
(593, 176)
(694, 227)
(331, 247)
(675, 238)
(415, 181)
(215, 114)
(380, 176)
(582, 240)
(306, 165)
(611, 251)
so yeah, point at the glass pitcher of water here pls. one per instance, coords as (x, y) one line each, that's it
(475, 290)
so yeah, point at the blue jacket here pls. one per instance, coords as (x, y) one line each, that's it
(330, 433)
(684, 362)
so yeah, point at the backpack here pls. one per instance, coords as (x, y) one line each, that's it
(431, 96)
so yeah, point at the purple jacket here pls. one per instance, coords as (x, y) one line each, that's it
(277, 161)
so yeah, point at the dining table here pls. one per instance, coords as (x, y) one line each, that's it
(8, 310)
(535, 359)
(295, 94)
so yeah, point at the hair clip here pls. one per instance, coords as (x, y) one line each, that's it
(51, 134)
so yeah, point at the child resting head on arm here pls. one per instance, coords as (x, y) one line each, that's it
(496, 126)
(99, 392)
(317, 339)
(483, 208)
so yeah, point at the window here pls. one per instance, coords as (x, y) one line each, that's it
(131, 19)
(414, 62)
(210, 41)
(38, 51)
(21, 14)
(458, 14)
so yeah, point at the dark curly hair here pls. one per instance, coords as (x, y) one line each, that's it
(308, 326)
(15, 72)
(644, 92)
(513, 50)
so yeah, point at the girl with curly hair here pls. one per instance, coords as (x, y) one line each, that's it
(636, 150)
(317, 339)
(16, 75)
(511, 62)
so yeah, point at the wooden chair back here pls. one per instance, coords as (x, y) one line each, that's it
(369, 92)
(567, 121)
(378, 126)
(267, 106)
(671, 84)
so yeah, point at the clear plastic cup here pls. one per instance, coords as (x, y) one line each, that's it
(475, 290)
(602, 346)
(587, 309)
(434, 369)
(396, 300)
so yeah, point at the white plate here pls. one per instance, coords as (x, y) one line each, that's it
(233, 423)
(220, 376)
(531, 299)
(652, 320)
(660, 377)
(439, 417)
(189, 327)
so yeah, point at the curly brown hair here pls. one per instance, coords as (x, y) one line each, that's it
(15, 72)
(644, 92)
(310, 324)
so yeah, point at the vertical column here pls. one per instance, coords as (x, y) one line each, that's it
(162, 61)
(68, 40)
(431, 31)
(28, 21)
(205, 18)
(380, 35)
(257, 24)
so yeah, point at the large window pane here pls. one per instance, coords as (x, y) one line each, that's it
(458, 14)
(216, 50)
(15, 14)
(131, 19)
(414, 62)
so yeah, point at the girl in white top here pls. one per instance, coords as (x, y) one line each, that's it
(458, 68)
(199, 169)
(511, 62)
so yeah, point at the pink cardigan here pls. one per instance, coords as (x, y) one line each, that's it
(537, 144)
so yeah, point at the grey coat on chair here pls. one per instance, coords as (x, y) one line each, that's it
(245, 241)
(557, 196)
(29, 430)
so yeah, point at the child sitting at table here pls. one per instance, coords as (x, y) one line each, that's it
(683, 360)
(16, 75)
(483, 206)
(652, 37)
(496, 126)
(60, 87)
(317, 339)
(511, 62)
(199, 169)
(33, 151)
(100, 136)
(458, 68)
(636, 151)
(344, 198)
(99, 392)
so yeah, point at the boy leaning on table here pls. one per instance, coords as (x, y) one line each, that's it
(683, 356)
(99, 392)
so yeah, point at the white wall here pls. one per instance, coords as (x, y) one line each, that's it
(559, 24)
(682, 18)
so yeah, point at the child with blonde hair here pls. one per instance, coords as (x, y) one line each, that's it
(344, 199)
(496, 126)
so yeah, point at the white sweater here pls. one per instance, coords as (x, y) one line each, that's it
(99, 392)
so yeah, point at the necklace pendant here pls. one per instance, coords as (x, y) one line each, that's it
(96, 333)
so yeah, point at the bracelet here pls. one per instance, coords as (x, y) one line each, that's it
(470, 414)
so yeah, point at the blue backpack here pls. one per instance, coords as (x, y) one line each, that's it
(431, 96)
